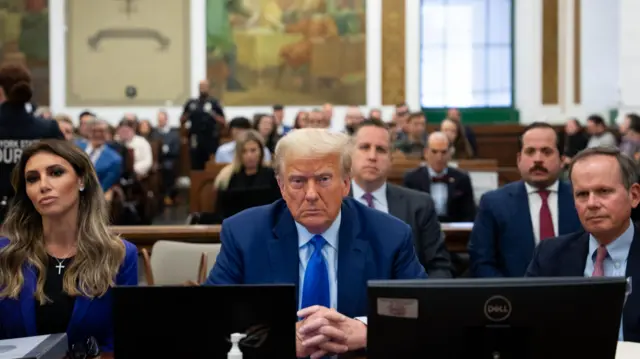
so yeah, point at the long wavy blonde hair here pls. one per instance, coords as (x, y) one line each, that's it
(99, 254)
(224, 177)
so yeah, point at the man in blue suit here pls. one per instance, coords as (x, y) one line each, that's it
(329, 246)
(512, 220)
(605, 191)
(106, 161)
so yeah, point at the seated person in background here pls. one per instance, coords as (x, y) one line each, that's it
(600, 134)
(265, 125)
(59, 259)
(248, 169)
(575, 140)
(66, 126)
(630, 144)
(512, 220)
(413, 143)
(106, 161)
(326, 244)
(142, 153)
(605, 191)
(458, 143)
(371, 165)
(450, 188)
(237, 127)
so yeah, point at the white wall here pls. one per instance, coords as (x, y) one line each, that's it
(629, 56)
(600, 54)
(199, 71)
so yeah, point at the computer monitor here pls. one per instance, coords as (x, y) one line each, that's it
(525, 318)
(197, 322)
(235, 201)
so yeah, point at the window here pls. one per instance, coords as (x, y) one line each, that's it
(466, 53)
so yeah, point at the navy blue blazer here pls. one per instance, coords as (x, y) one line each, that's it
(260, 246)
(90, 318)
(502, 241)
(108, 166)
(566, 256)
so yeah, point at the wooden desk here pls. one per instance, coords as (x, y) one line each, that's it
(145, 236)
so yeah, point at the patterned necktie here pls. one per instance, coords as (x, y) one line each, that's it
(369, 198)
(315, 289)
(546, 223)
(598, 267)
(440, 179)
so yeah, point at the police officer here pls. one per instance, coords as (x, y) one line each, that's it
(206, 120)
(18, 128)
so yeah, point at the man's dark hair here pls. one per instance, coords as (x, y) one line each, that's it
(597, 119)
(86, 113)
(535, 125)
(278, 107)
(128, 123)
(415, 115)
(372, 122)
(634, 122)
(628, 167)
(241, 123)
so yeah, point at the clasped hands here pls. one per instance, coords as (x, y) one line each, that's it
(323, 331)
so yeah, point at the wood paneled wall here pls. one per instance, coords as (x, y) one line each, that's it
(577, 48)
(393, 51)
(550, 52)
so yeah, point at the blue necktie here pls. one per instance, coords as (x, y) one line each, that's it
(315, 290)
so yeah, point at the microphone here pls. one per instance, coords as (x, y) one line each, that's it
(84, 349)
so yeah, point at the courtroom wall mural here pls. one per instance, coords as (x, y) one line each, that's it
(291, 52)
(24, 38)
(128, 52)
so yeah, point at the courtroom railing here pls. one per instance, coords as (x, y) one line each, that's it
(456, 237)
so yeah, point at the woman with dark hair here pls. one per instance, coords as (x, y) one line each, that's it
(266, 127)
(18, 128)
(58, 257)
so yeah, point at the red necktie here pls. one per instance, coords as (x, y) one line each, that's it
(598, 267)
(546, 223)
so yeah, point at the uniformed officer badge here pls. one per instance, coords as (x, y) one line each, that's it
(192, 106)
(207, 107)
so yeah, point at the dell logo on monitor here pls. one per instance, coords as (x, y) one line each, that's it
(497, 308)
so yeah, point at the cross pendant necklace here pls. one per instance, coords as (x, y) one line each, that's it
(60, 267)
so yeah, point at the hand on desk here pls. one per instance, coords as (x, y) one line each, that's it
(324, 331)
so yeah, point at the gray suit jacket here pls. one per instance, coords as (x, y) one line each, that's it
(418, 211)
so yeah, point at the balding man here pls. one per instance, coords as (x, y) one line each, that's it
(206, 120)
(450, 188)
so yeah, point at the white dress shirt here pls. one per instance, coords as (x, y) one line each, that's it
(96, 154)
(142, 155)
(379, 196)
(535, 203)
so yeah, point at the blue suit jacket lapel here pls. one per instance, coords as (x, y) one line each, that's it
(351, 263)
(28, 304)
(28, 301)
(566, 208)
(522, 217)
(283, 251)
